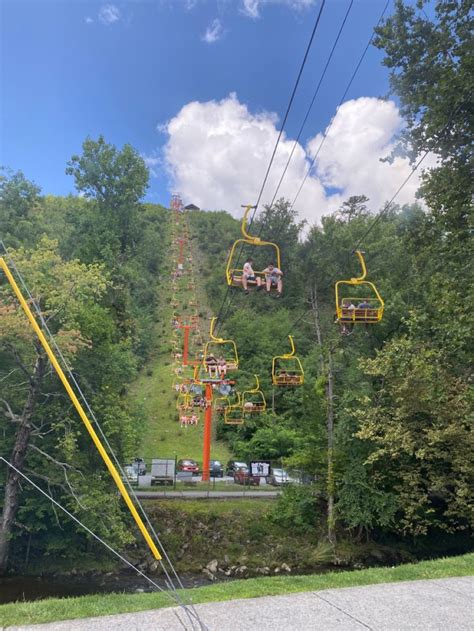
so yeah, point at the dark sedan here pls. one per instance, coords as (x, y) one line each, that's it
(216, 469)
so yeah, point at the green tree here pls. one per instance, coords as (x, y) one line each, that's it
(116, 181)
(19, 201)
(63, 290)
(432, 71)
(418, 425)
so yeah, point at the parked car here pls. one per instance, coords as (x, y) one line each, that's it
(129, 473)
(188, 465)
(216, 469)
(235, 465)
(243, 477)
(278, 477)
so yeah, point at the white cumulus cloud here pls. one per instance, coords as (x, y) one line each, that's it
(109, 13)
(251, 8)
(217, 154)
(214, 32)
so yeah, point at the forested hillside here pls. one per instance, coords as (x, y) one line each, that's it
(382, 423)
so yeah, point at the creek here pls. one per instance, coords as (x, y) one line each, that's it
(19, 588)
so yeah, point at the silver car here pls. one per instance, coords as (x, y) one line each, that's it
(278, 477)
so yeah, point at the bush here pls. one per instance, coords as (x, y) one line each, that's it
(296, 509)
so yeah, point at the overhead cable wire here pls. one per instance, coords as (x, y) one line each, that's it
(290, 103)
(356, 70)
(308, 48)
(82, 396)
(388, 204)
(315, 94)
(94, 535)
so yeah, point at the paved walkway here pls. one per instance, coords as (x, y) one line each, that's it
(441, 605)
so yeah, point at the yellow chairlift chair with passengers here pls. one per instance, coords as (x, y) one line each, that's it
(287, 369)
(363, 304)
(234, 413)
(253, 401)
(234, 273)
(219, 347)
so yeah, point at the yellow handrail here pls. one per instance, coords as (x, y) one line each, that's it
(75, 401)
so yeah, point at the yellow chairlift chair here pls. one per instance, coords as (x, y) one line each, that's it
(253, 401)
(234, 273)
(361, 303)
(233, 414)
(219, 347)
(287, 369)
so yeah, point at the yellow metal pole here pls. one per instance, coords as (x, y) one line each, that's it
(110, 466)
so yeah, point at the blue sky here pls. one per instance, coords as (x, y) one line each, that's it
(125, 69)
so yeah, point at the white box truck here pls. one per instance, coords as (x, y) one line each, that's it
(163, 471)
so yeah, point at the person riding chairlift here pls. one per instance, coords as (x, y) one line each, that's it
(273, 277)
(211, 365)
(249, 274)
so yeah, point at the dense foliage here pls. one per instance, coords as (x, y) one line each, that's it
(91, 264)
(399, 459)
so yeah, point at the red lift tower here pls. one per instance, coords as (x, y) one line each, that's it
(176, 202)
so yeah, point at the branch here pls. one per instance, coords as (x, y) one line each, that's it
(9, 413)
(18, 360)
(8, 375)
(53, 460)
(65, 466)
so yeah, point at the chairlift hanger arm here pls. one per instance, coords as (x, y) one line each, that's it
(361, 278)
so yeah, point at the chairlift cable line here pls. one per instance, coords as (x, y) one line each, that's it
(315, 94)
(356, 70)
(359, 63)
(171, 594)
(388, 204)
(290, 103)
(339, 104)
(96, 422)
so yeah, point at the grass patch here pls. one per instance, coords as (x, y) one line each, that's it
(71, 608)
(152, 391)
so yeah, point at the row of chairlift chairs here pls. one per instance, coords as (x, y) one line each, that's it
(287, 369)
(348, 293)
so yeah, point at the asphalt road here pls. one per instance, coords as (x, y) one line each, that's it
(436, 605)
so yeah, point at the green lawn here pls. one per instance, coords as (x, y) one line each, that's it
(70, 608)
(152, 391)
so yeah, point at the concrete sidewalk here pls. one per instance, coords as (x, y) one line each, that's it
(443, 604)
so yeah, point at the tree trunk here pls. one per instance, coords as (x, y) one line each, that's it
(17, 459)
(330, 474)
(317, 325)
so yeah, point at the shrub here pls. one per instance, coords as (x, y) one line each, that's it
(296, 509)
